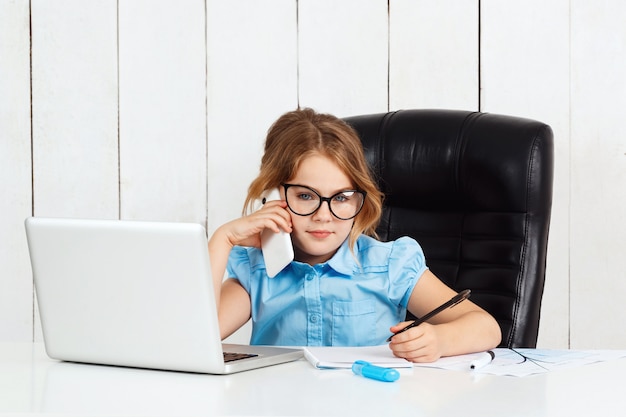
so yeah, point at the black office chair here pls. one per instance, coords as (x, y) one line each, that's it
(475, 190)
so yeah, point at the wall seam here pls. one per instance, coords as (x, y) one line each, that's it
(569, 176)
(298, 53)
(119, 136)
(32, 153)
(479, 74)
(206, 115)
(388, 55)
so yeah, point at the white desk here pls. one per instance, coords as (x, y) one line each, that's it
(33, 384)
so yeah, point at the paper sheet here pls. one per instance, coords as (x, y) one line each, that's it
(523, 362)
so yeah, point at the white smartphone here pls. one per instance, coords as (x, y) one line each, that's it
(277, 248)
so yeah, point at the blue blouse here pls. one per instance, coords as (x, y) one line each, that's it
(351, 300)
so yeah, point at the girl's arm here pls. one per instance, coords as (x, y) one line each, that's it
(233, 302)
(234, 309)
(464, 328)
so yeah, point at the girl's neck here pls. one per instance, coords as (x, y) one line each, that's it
(312, 259)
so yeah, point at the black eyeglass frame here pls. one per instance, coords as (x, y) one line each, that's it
(326, 199)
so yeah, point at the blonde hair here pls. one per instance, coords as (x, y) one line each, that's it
(301, 133)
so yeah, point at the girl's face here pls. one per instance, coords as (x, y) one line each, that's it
(317, 237)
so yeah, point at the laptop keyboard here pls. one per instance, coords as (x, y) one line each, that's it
(232, 356)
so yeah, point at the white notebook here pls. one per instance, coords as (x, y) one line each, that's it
(343, 357)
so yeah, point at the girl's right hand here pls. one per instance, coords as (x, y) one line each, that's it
(246, 230)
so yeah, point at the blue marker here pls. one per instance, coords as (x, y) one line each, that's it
(378, 373)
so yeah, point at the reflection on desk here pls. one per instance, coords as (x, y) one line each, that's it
(30, 382)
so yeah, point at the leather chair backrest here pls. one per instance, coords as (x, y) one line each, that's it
(475, 190)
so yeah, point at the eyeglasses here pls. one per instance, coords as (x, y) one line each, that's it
(305, 201)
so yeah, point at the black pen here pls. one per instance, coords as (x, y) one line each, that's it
(463, 295)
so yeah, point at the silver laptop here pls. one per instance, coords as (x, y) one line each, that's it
(135, 294)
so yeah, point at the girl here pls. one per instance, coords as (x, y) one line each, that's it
(344, 287)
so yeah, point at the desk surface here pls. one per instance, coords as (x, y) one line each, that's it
(33, 384)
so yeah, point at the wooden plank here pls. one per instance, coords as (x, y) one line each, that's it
(598, 174)
(74, 110)
(524, 67)
(343, 56)
(433, 54)
(162, 110)
(16, 289)
(252, 71)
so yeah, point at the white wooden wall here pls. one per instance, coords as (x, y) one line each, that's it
(157, 110)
